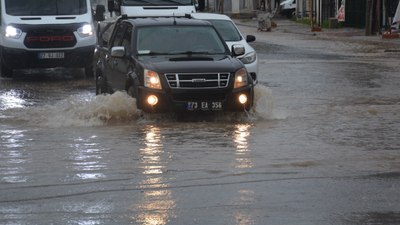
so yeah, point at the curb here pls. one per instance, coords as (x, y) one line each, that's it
(348, 34)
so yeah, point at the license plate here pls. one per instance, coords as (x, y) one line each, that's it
(215, 105)
(51, 55)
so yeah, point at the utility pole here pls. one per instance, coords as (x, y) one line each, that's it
(378, 16)
(368, 17)
(310, 6)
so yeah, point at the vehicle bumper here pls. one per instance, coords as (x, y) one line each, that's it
(21, 59)
(177, 100)
(286, 11)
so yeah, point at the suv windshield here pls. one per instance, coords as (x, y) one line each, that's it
(45, 7)
(156, 2)
(179, 40)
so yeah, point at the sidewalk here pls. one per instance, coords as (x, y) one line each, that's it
(341, 34)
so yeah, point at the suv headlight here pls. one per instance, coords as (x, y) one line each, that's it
(240, 78)
(13, 32)
(249, 58)
(85, 31)
(151, 79)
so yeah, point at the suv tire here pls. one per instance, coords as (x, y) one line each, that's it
(101, 85)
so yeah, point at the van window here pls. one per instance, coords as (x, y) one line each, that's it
(45, 7)
(156, 2)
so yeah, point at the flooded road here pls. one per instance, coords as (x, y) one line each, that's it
(322, 146)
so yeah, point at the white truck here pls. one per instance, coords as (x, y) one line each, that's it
(46, 34)
(145, 8)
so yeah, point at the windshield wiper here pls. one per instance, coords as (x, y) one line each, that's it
(150, 3)
(178, 53)
(153, 53)
(191, 53)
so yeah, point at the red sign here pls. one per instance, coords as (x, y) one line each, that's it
(341, 13)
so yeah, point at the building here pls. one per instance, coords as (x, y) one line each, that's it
(372, 14)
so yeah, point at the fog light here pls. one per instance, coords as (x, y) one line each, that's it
(242, 99)
(152, 100)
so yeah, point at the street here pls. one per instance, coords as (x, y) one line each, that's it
(321, 146)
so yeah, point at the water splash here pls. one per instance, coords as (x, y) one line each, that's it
(86, 111)
(263, 102)
(11, 99)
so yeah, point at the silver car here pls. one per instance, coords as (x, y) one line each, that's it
(231, 34)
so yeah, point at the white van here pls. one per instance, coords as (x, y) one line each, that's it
(141, 8)
(288, 8)
(46, 34)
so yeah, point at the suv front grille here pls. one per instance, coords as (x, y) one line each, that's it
(197, 80)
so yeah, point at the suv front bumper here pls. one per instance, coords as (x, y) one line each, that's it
(196, 100)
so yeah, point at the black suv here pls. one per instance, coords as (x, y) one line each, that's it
(171, 64)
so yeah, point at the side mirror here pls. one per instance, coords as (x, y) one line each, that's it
(250, 38)
(238, 50)
(118, 51)
(99, 15)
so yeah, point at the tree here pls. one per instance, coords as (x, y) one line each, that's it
(269, 3)
(368, 17)
(372, 16)
(221, 6)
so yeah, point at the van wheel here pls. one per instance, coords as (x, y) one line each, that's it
(5, 71)
(89, 71)
(290, 13)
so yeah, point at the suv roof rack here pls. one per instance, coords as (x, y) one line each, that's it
(186, 15)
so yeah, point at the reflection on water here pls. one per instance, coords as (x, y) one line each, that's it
(242, 154)
(13, 156)
(243, 161)
(87, 159)
(157, 201)
(243, 218)
(88, 162)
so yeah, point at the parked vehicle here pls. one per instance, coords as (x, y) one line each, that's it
(172, 64)
(288, 8)
(46, 34)
(231, 34)
(152, 7)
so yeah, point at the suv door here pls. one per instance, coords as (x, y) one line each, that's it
(118, 66)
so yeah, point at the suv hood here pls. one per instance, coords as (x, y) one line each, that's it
(190, 64)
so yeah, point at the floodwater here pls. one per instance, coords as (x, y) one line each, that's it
(321, 146)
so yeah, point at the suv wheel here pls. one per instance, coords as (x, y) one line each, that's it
(89, 71)
(133, 92)
(101, 85)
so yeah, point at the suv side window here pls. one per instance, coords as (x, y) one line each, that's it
(118, 35)
(105, 35)
(126, 41)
